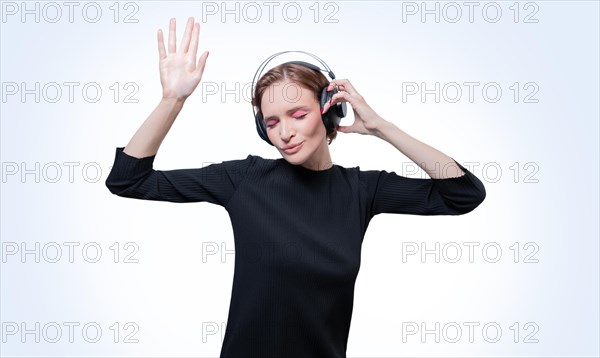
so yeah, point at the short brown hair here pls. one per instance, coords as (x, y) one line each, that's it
(302, 75)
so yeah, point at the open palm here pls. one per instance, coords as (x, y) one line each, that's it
(179, 72)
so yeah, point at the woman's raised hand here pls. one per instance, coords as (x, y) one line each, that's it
(366, 121)
(179, 72)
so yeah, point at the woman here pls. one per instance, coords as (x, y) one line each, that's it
(299, 220)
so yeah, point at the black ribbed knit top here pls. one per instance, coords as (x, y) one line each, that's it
(297, 235)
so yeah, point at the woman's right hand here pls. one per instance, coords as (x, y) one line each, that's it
(179, 73)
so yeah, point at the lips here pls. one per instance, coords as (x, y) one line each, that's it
(292, 146)
(293, 149)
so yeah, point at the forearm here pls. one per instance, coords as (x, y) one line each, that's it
(148, 138)
(435, 163)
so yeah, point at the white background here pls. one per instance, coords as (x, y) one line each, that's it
(544, 141)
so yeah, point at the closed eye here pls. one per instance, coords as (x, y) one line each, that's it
(300, 117)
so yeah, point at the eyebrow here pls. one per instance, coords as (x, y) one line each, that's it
(292, 110)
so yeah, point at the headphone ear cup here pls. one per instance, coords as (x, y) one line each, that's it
(327, 116)
(340, 110)
(261, 128)
(334, 115)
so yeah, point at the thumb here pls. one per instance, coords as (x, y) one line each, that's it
(202, 63)
(343, 129)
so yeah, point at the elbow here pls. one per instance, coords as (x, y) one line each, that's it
(482, 194)
(476, 196)
(465, 203)
(111, 186)
(476, 199)
(463, 194)
(115, 186)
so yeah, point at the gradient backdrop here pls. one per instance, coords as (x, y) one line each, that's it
(509, 89)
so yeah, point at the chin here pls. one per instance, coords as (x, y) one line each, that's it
(294, 159)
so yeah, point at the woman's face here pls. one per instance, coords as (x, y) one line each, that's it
(292, 117)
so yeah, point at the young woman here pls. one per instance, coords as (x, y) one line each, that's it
(299, 220)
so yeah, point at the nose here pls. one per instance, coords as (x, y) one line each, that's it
(286, 130)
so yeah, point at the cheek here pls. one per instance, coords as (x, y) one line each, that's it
(315, 126)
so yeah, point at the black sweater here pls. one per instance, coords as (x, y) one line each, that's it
(297, 237)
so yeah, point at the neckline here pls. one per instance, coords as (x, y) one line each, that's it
(301, 169)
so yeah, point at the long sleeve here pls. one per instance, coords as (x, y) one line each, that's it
(387, 192)
(216, 183)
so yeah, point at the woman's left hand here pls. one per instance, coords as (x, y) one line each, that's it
(366, 121)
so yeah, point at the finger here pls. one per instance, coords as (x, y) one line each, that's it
(342, 129)
(325, 108)
(354, 127)
(194, 44)
(335, 85)
(185, 41)
(331, 85)
(336, 98)
(161, 45)
(172, 36)
(347, 129)
(201, 64)
(346, 86)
